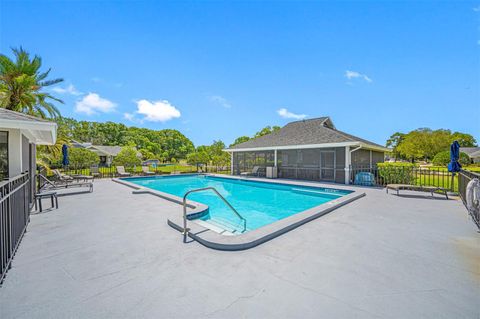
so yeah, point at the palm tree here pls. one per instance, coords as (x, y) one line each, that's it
(21, 82)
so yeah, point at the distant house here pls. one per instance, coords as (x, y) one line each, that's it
(472, 152)
(309, 149)
(105, 152)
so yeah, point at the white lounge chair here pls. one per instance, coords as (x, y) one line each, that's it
(121, 171)
(255, 172)
(146, 170)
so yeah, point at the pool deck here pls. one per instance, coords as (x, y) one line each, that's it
(111, 254)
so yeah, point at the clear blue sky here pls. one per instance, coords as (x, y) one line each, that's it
(219, 70)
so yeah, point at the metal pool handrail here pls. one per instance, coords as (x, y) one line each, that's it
(185, 229)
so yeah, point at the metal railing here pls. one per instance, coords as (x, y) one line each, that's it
(464, 178)
(185, 229)
(111, 171)
(411, 175)
(14, 217)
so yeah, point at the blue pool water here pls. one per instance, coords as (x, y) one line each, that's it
(258, 202)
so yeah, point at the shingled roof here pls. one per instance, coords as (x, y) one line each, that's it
(306, 132)
(472, 152)
(16, 116)
(39, 131)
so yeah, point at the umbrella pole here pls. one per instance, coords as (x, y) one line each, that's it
(453, 175)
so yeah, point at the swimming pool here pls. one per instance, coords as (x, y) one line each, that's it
(260, 203)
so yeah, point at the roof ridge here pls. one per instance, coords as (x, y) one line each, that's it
(311, 119)
(352, 137)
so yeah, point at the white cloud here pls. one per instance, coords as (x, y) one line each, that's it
(70, 89)
(220, 100)
(354, 75)
(129, 116)
(92, 103)
(283, 112)
(154, 111)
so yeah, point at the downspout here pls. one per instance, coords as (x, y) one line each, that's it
(348, 162)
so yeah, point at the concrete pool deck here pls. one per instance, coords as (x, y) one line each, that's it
(111, 254)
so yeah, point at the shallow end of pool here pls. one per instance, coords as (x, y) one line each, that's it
(253, 238)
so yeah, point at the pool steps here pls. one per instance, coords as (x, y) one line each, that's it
(225, 225)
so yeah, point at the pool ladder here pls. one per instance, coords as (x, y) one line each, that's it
(185, 229)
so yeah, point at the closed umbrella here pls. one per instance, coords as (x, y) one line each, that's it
(454, 166)
(65, 161)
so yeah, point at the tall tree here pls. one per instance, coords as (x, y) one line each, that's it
(21, 84)
(266, 130)
(239, 140)
(425, 143)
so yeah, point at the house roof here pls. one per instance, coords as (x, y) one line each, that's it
(37, 130)
(106, 150)
(315, 132)
(472, 152)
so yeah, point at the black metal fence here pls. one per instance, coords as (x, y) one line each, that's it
(464, 177)
(411, 175)
(111, 172)
(14, 217)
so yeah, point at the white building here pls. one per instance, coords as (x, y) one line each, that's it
(19, 134)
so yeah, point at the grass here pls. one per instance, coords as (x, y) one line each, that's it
(438, 181)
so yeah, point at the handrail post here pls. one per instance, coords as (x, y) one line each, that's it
(185, 229)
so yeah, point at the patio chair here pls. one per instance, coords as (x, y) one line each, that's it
(94, 171)
(255, 172)
(146, 171)
(419, 188)
(62, 177)
(70, 178)
(50, 185)
(121, 171)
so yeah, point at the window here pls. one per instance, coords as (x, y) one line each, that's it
(3, 155)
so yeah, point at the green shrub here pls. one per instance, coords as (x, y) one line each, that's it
(396, 164)
(82, 158)
(443, 158)
(128, 156)
(396, 174)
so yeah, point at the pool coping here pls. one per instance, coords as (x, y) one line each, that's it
(214, 240)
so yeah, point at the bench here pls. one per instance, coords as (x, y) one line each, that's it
(53, 197)
(419, 188)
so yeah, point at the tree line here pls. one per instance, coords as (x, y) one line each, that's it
(166, 145)
(425, 144)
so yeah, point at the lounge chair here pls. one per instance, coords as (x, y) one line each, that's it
(255, 172)
(121, 171)
(49, 185)
(94, 171)
(62, 177)
(69, 178)
(419, 188)
(146, 171)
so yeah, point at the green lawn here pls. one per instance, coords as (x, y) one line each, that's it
(439, 181)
